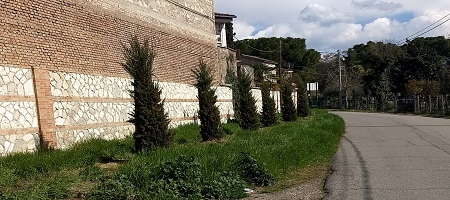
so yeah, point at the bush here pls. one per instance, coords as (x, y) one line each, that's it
(91, 172)
(302, 100)
(183, 178)
(252, 171)
(269, 117)
(247, 103)
(150, 121)
(208, 113)
(288, 112)
(113, 188)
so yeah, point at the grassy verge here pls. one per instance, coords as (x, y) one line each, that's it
(286, 150)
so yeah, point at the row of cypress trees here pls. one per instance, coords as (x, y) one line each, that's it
(152, 123)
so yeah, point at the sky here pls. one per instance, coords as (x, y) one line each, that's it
(331, 25)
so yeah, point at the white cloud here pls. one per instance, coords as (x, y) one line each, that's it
(331, 25)
(377, 4)
(324, 15)
(242, 29)
(277, 30)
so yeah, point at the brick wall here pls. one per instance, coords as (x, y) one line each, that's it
(81, 36)
(86, 37)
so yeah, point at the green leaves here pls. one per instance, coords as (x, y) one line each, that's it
(288, 111)
(293, 50)
(149, 118)
(253, 171)
(208, 113)
(248, 115)
(268, 117)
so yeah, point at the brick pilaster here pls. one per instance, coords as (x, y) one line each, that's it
(44, 105)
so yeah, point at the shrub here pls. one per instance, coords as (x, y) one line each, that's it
(113, 188)
(247, 103)
(208, 113)
(252, 171)
(183, 178)
(150, 121)
(269, 117)
(91, 172)
(302, 99)
(288, 112)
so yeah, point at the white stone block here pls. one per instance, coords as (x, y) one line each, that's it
(9, 146)
(9, 115)
(31, 145)
(28, 88)
(28, 137)
(35, 121)
(59, 121)
(6, 79)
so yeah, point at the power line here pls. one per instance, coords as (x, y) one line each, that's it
(213, 20)
(418, 33)
(256, 49)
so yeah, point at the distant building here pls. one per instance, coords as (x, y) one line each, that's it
(221, 20)
(247, 62)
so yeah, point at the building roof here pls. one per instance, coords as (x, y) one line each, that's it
(224, 15)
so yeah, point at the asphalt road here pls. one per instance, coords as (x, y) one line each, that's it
(385, 156)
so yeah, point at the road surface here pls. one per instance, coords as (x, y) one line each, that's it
(385, 156)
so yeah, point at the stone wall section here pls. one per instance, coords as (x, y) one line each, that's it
(226, 58)
(93, 106)
(18, 116)
(90, 106)
(188, 17)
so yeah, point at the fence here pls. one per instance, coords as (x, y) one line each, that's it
(420, 104)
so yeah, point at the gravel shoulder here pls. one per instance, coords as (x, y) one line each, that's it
(307, 185)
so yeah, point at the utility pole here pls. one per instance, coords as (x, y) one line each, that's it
(340, 80)
(279, 77)
(279, 64)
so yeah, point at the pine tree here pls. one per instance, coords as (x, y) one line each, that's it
(288, 112)
(150, 121)
(269, 117)
(209, 114)
(302, 100)
(247, 103)
(231, 78)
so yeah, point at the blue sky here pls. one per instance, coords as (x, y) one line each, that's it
(329, 25)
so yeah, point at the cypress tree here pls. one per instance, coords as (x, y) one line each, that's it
(248, 118)
(150, 121)
(302, 100)
(268, 106)
(231, 78)
(208, 113)
(288, 112)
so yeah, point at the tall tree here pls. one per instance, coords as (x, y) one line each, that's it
(268, 117)
(208, 113)
(302, 98)
(288, 111)
(248, 118)
(377, 60)
(230, 35)
(150, 121)
(293, 51)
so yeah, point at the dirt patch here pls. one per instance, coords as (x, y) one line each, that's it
(306, 184)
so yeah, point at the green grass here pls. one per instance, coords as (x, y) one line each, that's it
(285, 149)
